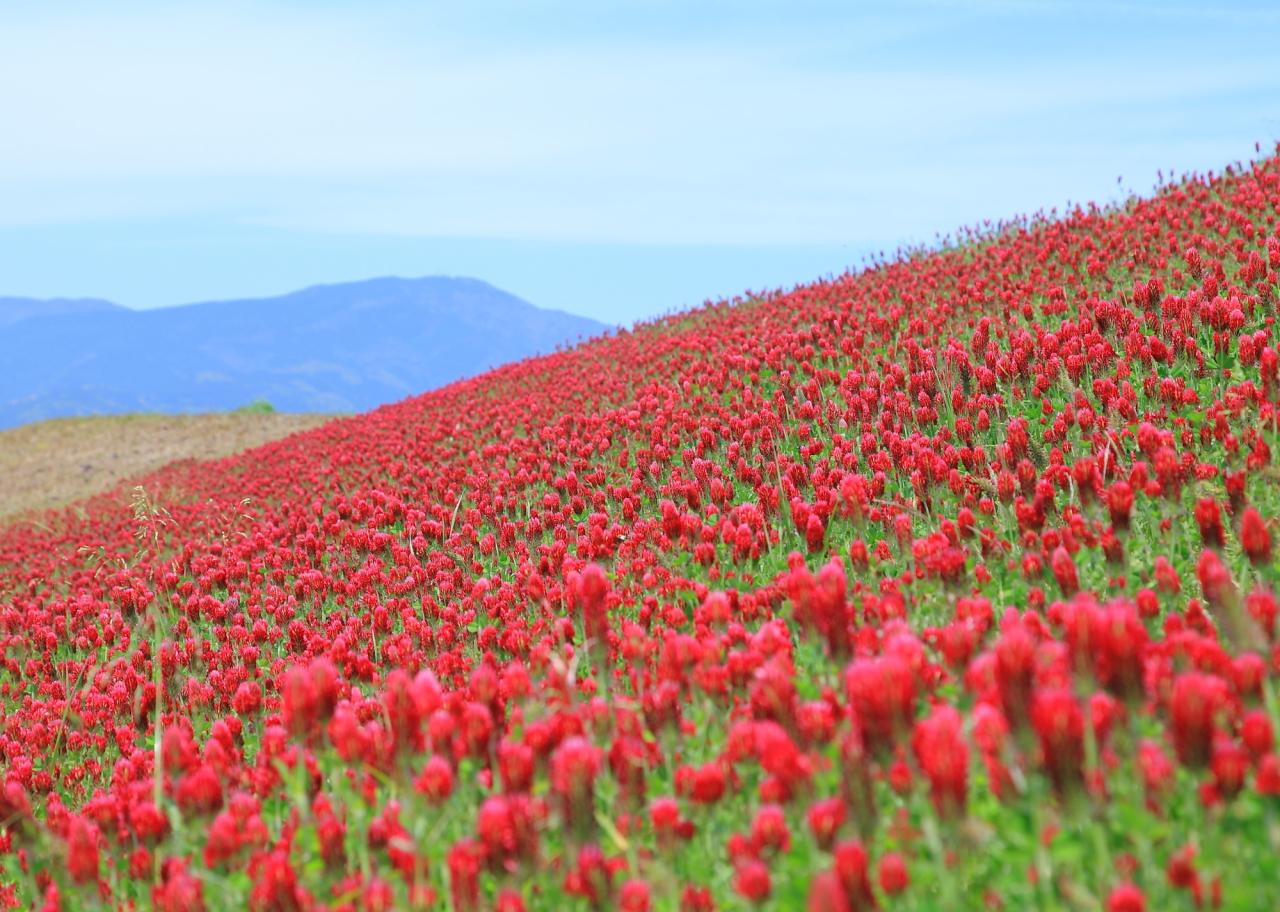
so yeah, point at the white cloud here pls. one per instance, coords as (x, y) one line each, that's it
(341, 120)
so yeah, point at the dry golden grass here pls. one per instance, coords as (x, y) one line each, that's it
(53, 463)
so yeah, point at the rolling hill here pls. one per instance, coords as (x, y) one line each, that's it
(946, 584)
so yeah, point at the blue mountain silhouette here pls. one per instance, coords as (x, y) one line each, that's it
(342, 347)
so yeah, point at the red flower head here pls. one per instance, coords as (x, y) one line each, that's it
(308, 695)
(149, 822)
(1197, 702)
(943, 755)
(1215, 578)
(199, 792)
(815, 533)
(1064, 571)
(751, 881)
(852, 866)
(276, 887)
(505, 826)
(82, 850)
(826, 894)
(1120, 504)
(1256, 732)
(704, 784)
(664, 817)
(1126, 898)
(696, 899)
(1263, 608)
(402, 711)
(769, 832)
(592, 876)
(825, 817)
(1209, 519)
(1015, 654)
(1121, 647)
(882, 696)
(893, 873)
(1059, 725)
(247, 699)
(178, 890)
(589, 590)
(779, 755)
(436, 780)
(515, 765)
(574, 767)
(1230, 765)
(635, 896)
(1255, 538)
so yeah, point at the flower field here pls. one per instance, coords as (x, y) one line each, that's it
(947, 584)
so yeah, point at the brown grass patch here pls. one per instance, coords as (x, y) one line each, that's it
(53, 463)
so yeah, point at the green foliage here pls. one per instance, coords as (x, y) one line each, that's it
(256, 407)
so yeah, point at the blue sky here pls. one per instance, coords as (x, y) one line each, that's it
(613, 159)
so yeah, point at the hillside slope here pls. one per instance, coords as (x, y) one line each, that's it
(331, 348)
(946, 584)
(51, 463)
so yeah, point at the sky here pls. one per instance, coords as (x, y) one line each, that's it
(615, 159)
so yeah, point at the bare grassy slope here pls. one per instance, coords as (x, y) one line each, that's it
(51, 463)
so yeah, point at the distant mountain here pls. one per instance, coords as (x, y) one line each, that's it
(344, 347)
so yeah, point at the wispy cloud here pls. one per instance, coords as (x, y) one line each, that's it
(642, 122)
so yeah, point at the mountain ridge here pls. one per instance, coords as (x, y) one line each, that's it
(16, 309)
(340, 347)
